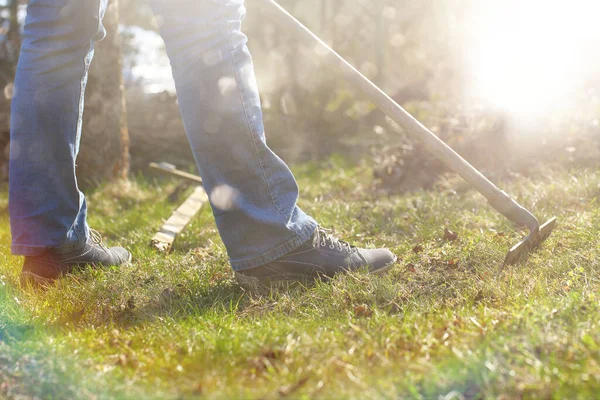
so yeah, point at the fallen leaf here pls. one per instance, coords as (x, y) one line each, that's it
(218, 276)
(265, 359)
(122, 361)
(362, 310)
(417, 249)
(449, 235)
(130, 306)
(198, 389)
(271, 353)
(128, 360)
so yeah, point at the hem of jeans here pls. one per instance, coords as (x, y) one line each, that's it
(27, 251)
(277, 252)
(32, 251)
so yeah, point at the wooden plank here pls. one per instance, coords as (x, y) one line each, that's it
(164, 239)
(170, 169)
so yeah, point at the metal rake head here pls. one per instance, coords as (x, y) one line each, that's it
(530, 243)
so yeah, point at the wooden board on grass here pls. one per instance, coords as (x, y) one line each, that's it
(164, 239)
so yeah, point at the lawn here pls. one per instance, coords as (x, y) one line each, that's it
(449, 321)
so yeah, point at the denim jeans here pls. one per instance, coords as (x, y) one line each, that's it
(252, 192)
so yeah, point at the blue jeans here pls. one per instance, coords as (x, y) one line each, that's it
(252, 192)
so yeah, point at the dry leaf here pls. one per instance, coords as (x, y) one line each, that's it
(449, 235)
(362, 310)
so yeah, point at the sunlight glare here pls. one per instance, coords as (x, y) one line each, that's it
(528, 56)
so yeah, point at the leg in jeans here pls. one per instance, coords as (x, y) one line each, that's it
(252, 191)
(47, 210)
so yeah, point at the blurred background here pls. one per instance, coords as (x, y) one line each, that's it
(512, 85)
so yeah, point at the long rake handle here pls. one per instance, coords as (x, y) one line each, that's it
(497, 198)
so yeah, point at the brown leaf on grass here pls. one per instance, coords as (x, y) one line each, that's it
(258, 365)
(266, 358)
(362, 310)
(130, 306)
(122, 360)
(218, 277)
(115, 338)
(417, 249)
(271, 353)
(198, 390)
(411, 267)
(449, 235)
(128, 360)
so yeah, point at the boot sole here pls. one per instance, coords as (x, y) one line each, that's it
(30, 279)
(291, 279)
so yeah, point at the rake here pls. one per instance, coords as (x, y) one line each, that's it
(497, 198)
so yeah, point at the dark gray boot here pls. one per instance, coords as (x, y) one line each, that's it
(49, 266)
(322, 256)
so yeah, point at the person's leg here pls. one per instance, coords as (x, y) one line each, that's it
(252, 191)
(47, 210)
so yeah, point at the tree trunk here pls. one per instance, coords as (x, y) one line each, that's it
(104, 152)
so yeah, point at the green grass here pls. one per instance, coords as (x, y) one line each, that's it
(447, 321)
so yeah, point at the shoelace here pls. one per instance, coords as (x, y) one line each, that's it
(324, 238)
(97, 239)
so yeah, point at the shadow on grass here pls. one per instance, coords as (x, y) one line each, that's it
(181, 288)
(174, 302)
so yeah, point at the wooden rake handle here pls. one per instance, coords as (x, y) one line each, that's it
(497, 198)
(171, 169)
